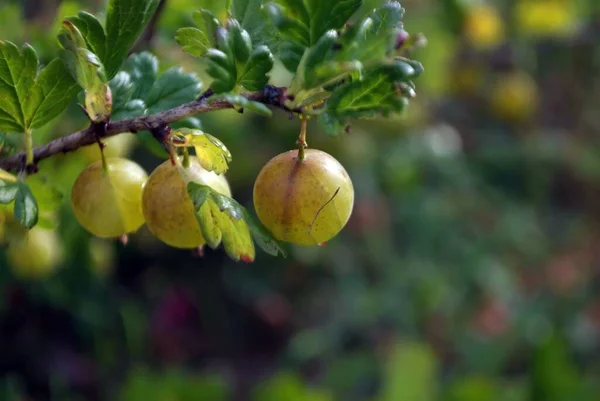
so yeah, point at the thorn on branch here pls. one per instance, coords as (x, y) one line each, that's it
(161, 134)
(274, 96)
(82, 107)
(207, 93)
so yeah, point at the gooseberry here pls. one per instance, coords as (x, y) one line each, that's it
(305, 202)
(514, 97)
(34, 254)
(484, 27)
(108, 203)
(167, 207)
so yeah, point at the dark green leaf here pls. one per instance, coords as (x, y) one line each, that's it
(150, 93)
(290, 54)
(239, 41)
(289, 27)
(304, 22)
(30, 98)
(312, 58)
(373, 95)
(125, 21)
(143, 69)
(332, 124)
(250, 17)
(231, 59)
(263, 237)
(171, 89)
(122, 90)
(326, 15)
(26, 207)
(8, 191)
(378, 93)
(256, 72)
(131, 109)
(92, 31)
(221, 70)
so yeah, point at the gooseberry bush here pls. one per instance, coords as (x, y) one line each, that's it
(345, 61)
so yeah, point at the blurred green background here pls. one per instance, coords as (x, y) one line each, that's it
(469, 270)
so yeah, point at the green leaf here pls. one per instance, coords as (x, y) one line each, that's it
(255, 75)
(171, 89)
(143, 69)
(221, 221)
(208, 23)
(222, 70)
(233, 61)
(239, 41)
(26, 207)
(193, 40)
(241, 102)
(85, 66)
(382, 91)
(125, 21)
(122, 89)
(361, 46)
(17, 77)
(288, 26)
(131, 109)
(312, 58)
(376, 93)
(249, 15)
(326, 15)
(388, 16)
(57, 89)
(92, 31)
(305, 21)
(8, 191)
(142, 91)
(87, 69)
(263, 237)
(290, 54)
(212, 154)
(30, 98)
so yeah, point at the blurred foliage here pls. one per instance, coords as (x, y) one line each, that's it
(468, 272)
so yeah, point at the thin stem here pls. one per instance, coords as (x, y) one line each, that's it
(29, 147)
(102, 156)
(186, 158)
(302, 137)
(173, 155)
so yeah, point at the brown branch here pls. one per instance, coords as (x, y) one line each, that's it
(273, 96)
